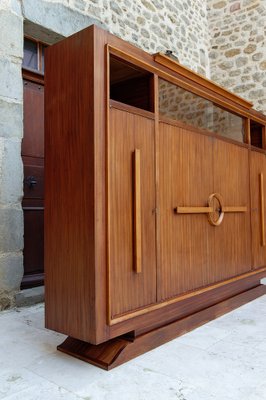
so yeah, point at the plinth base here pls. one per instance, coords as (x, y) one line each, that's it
(122, 349)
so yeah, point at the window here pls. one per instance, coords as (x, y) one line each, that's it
(179, 104)
(33, 58)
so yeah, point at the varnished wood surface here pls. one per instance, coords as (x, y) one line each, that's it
(185, 251)
(90, 201)
(120, 350)
(193, 210)
(257, 193)
(262, 208)
(129, 290)
(70, 188)
(137, 211)
(185, 304)
(231, 246)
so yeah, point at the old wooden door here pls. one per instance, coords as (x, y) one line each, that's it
(33, 161)
(198, 174)
(132, 263)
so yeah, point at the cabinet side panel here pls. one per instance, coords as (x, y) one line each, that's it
(69, 187)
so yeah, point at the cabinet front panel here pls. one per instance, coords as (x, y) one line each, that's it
(258, 207)
(185, 180)
(231, 250)
(132, 263)
(204, 217)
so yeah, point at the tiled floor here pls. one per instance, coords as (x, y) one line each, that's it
(223, 360)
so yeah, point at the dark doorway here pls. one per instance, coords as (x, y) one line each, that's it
(33, 163)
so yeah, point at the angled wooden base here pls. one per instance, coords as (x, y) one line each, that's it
(119, 350)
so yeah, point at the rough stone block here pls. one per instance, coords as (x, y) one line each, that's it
(11, 80)
(11, 230)
(57, 17)
(232, 53)
(11, 34)
(250, 49)
(11, 171)
(11, 119)
(11, 272)
(235, 7)
(29, 297)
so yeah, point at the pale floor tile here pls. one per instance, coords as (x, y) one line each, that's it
(246, 354)
(223, 360)
(19, 383)
(211, 373)
(131, 383)
(45, 392)
(67, 372)
(204, 336)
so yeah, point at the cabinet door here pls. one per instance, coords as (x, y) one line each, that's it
(204, 218)
(132, 262)
(231, 250)
(185, 180)
(258, 207)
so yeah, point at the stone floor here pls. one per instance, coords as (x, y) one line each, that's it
(223, 360)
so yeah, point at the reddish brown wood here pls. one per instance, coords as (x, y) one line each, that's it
(129, 290)
(258, 167)
(93, 293)
(70, 192)
(120, 350)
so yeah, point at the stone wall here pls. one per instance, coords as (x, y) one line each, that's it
(238, 47)
(153, 25)
(11, 226)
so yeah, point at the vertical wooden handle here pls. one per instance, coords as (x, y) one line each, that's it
(262, 209)
(137, 213)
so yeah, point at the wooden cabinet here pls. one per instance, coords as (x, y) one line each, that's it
(154, 198)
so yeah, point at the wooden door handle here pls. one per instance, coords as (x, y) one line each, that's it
(137, 212)
(215, 211)
(193, 210)
(262, 214)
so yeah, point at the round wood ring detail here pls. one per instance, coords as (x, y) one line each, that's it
(216, 216)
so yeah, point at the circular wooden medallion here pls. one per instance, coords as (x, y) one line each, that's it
(216, 216)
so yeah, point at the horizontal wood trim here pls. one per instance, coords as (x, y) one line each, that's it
(33, 76)
(200, 131)
(174, 300)
(258, 149)
(200, 79)
(33, 208)
(134, 110)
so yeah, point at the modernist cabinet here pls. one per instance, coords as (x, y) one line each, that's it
(154, 198)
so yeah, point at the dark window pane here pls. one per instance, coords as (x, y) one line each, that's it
(30, 59)
(179, 104)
